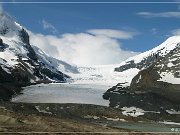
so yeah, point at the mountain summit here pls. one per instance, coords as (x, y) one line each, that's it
(8, 27)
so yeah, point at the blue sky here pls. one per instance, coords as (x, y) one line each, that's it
(152, 23)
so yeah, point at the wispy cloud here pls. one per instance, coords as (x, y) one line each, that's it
(48, 26)
(92, 47)
(161, 14)
(154, 31)
(113, 33)
(175, 32)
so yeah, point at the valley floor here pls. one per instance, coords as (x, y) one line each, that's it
(29, 118)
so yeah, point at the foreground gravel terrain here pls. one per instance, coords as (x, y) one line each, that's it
(25, 118)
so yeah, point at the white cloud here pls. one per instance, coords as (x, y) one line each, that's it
(161, 14)
(175, 32)
(85, 48)
(48, 26)
(112, 33)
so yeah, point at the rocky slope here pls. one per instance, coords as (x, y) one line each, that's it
(23, 64)
(156, 87)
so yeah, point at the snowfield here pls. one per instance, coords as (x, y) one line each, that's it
(103, 75)
(169, 77)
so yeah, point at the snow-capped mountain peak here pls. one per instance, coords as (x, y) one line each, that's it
(8, 27)
(161, 50)
(155, 56)
(20, 61)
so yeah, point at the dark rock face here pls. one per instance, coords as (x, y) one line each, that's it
(24, 36)
(19, 74)
(10, 84)
(2, 45)
(1, 41)
(7, 90)
(4, 31)
(5, 77)
(148, 101)
(143, 64)
(41, 70)
(152, 103)
(56, 76)
(25, 39)
(148, 83)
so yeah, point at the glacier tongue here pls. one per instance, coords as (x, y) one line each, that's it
(102, 74)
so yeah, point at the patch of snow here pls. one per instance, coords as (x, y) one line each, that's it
(132, 111)
(123, 120)
(5, 69)
(91, 117)
(115, 119)
(170, 65)
(32, 81)
(174, 59)
(3, 108)
(42, 111)
(169, 77)
(8, 56)
(25, 59)
(172, 111)
(151, 112)
(169, 123)
(139, 79)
